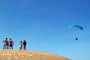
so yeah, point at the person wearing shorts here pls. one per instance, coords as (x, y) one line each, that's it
(11, 43)
(6, 44)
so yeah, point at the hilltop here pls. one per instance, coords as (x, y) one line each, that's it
(28, 55)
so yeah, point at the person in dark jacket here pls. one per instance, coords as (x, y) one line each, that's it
(24, 44)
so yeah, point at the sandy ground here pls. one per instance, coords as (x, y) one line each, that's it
(28, 55)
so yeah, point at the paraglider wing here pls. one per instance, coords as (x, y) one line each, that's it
(78, 26)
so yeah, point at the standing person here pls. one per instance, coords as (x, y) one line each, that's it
(11, 43)
(24, 44)
(6, 44)
(20, 45)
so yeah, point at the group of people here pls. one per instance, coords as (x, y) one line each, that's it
(22, 44)
(8, 44)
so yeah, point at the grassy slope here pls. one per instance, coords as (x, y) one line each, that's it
(28, 55)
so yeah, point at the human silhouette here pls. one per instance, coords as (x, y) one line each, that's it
(11, 43)
(24, 44)
(6, 44)
(76, 38)
(20, 45)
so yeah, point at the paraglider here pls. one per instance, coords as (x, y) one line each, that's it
(76, 26)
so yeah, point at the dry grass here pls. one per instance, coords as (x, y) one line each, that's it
(28, 55)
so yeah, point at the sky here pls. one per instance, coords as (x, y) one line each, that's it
(44, 25)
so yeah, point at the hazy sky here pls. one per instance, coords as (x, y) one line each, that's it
(44, 24)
